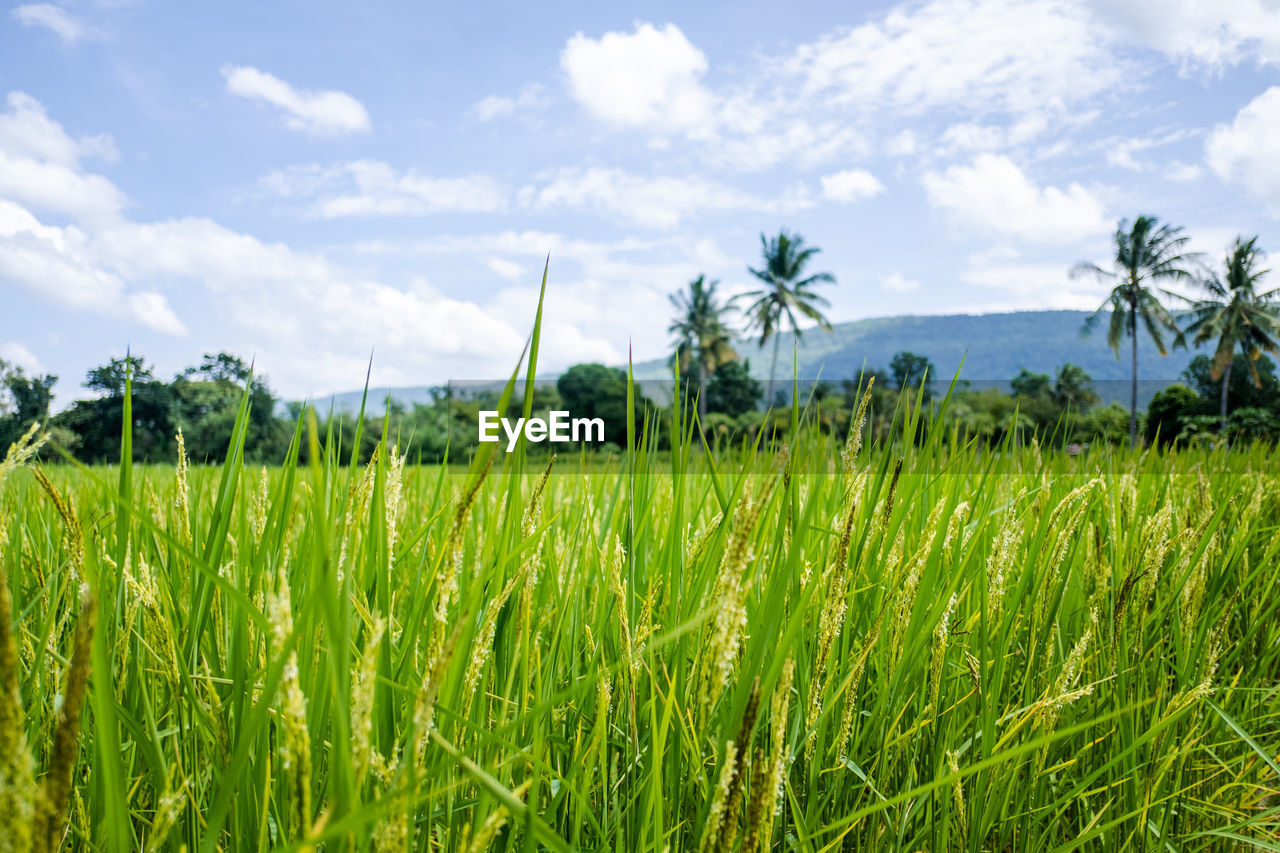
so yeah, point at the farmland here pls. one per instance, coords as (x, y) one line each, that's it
(809, 645)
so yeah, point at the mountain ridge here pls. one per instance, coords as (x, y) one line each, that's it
(994, 348)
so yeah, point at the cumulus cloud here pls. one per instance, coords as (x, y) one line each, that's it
(504, 268)
(1199, 34)
(1024, 64)
(654, 202)
(310, 321)
(40, 164)
(17, 354)
(1244, 151)
(1033, 286)
(531, 97)
(40, 172)
(57, 264)
(995, 195)
(980, 56)
(325, 112)
(373, 188)
(851, 185)
(1122, 152)
(649, 78)
(898, 283)
(53, 18)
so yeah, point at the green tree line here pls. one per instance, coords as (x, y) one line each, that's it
(1231, 395)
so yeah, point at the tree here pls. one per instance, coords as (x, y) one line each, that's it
(732, 390)
(910, 371)
(702, 338)
(596, 391)
(1028, 384)
(96, 425)
(109, 379)
(1247, 393)
(223, 367)
(1073, 388)
(1145, 251)
(1234, 312)
(206, 400)
(24, 400)
(1167, 411)
(785, 292)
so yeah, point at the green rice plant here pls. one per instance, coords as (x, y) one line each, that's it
(792, 644)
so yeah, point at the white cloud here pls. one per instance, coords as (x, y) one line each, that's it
(1121, 152)
(587, 280)
(898, 283)
(975, 56)
(374, 188)
(1244, 152)
(310, 322)
(1033, 286)
(17, 354)
(40, 164)
(504, 268)
(26, 131)
(531, 97)
(1032, 63)
(58, 189)
(57, 264)
(851, 185)
(1183, 172)
(661, 202)
(902, 144)
(51, 17)
(969, 137)
(1198, 33)
(326, 112)
(996, 196)
(650, 78)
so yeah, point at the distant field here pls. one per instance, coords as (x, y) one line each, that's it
(815, 647)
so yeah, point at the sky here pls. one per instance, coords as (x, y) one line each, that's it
(307, 184)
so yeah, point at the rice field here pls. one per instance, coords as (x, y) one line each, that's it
(809, 644)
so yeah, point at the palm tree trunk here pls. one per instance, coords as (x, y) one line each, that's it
(773, 367)
(1226, 377)
(702, 394)
(1133, 395)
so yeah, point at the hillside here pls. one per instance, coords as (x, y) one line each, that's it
(997, 346)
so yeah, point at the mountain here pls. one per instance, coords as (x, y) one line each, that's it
(994, 348)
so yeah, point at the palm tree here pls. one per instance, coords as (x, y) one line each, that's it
(702, 338)
(1144, 252)
(1237, 315)
(785, 292)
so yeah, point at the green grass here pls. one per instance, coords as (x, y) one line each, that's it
(914, 648)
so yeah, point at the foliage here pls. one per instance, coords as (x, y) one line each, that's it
(95, 424)
(786, 291)
(1237, 315)
(1168, 412)
(732, 391)
(1146, 253)
(24, 400)
(1242, 389)
(702, 337)
(596, 391)
(910, 370)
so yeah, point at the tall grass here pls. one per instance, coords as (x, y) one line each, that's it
(803, 646)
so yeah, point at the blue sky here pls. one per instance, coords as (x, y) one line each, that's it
(307, 183)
